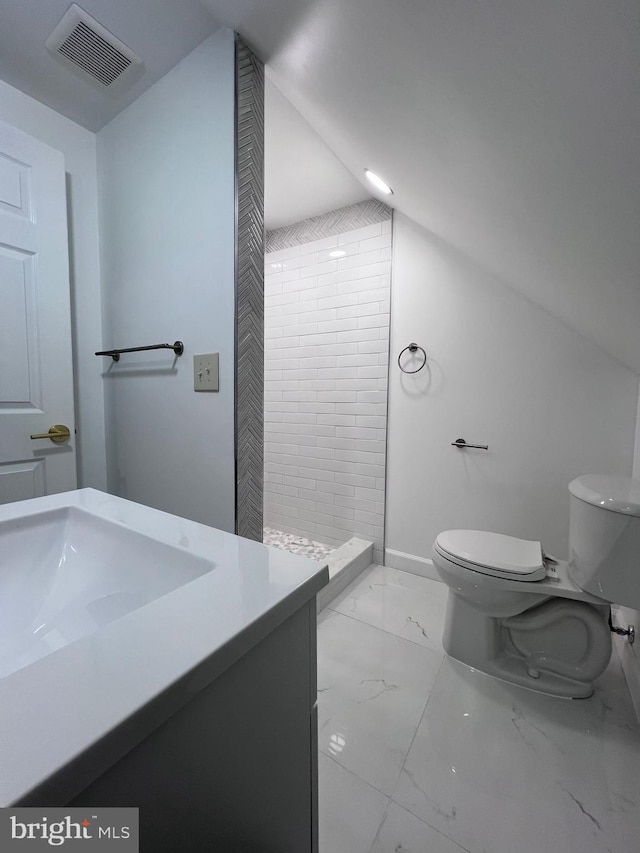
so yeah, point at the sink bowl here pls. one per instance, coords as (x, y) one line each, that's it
(65, 573)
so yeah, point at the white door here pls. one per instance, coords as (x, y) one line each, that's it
(36, 378)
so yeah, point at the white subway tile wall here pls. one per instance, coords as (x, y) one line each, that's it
(326, 370)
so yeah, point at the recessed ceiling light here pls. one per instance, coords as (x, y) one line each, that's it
(378, 182)
(337, 253)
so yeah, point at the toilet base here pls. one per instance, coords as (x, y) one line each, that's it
(485, 643)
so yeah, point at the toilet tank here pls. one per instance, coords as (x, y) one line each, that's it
(604, 537)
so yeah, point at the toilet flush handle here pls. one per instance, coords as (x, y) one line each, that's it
(461, 443)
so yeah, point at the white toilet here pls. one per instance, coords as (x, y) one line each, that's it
(509, 614)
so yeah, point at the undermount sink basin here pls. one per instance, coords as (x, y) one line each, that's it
(65, 573)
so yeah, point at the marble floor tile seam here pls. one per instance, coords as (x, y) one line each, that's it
(381, 824)
(406, 752)
(360, 778)
(426, 830)
(366, 781)
(427, 825)
(413, 737)
(419, 720)
(404, 760)
(405, 805)
(411, 811)
(379, 628)
(388, 726)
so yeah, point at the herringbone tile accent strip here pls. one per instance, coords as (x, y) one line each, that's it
(249, 292)
(329, 224)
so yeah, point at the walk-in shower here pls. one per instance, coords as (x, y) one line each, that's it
(327, 292)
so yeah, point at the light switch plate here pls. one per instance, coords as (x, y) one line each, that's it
(205, 372)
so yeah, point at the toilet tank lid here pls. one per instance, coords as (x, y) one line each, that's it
(493, 550)
(615, 493)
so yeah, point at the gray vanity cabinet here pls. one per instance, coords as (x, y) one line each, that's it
(234, 769)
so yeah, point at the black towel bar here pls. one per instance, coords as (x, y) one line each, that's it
(177, 347)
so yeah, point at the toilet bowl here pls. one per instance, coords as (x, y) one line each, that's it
(513, 615)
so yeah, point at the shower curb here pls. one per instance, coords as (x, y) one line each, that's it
(345, 564)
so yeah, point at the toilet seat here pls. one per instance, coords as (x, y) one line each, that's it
(493, 554)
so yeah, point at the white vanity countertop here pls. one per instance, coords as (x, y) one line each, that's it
(69, 715)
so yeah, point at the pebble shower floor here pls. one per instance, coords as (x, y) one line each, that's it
(296, 544)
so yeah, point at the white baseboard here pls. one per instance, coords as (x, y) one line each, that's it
(410, 563)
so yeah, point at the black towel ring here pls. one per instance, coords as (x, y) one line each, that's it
(412, 348)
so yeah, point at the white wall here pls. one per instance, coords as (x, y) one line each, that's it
(326, 367)
(623, 616)
(79, 148)
(549, 403)
(166, 180)
(636, 449)
(302, 176)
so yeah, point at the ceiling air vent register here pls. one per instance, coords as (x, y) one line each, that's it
(91, 50)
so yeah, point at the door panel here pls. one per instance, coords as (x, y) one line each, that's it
(20, 386)
(36, 378)
(21, 480)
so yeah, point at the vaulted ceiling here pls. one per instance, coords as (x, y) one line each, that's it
(509, 129)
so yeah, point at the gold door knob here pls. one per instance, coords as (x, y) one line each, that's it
(59, 433)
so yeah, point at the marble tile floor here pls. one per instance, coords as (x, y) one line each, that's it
(296, 544)
(419, 753)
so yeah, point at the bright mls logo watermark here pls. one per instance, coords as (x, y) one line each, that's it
(69, 829)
